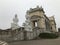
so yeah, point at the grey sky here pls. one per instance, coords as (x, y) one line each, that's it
(8, 8)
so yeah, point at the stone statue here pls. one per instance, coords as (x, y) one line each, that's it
(15, 25)
(27, 25)
(15, 19)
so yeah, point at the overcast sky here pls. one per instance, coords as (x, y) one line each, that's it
(8, 8)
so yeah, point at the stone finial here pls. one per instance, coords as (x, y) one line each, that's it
(30, 8)
(41, 7)
(37, 6)
(53, 17)
(27, 12)
(15, 15)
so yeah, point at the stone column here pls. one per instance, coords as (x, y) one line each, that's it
(42, 24)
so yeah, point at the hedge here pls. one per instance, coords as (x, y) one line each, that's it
(48, 35)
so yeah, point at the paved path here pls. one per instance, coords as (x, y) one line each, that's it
(38, 42)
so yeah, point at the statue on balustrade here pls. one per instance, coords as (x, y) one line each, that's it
(15, 25)
(27, 25)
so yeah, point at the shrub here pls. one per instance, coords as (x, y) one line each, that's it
(48, 35)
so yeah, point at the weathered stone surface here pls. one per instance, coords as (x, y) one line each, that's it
(15, 25)
(36, 22)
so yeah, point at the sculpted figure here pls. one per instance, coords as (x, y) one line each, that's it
(15, 25)
(27, 24)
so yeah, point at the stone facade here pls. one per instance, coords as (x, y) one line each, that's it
(37, 15)
(36, 22)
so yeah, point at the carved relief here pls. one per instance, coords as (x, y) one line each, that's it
(35, 17)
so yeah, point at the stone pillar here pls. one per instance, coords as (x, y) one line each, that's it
(41, 24)
(29, 35)
(22, 35)
(54, 28)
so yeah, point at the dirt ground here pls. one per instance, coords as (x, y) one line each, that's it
(38, 42)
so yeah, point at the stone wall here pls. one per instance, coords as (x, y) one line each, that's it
(21, 35)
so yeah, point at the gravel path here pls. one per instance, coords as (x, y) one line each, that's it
(38, 42)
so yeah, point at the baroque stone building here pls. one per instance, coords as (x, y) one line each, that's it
(40, 20)
(36, 22)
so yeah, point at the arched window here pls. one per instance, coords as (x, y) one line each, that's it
(35, 23)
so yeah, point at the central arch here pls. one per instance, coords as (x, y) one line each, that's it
(35, 20)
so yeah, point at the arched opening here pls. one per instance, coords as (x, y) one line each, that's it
(35, 23)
